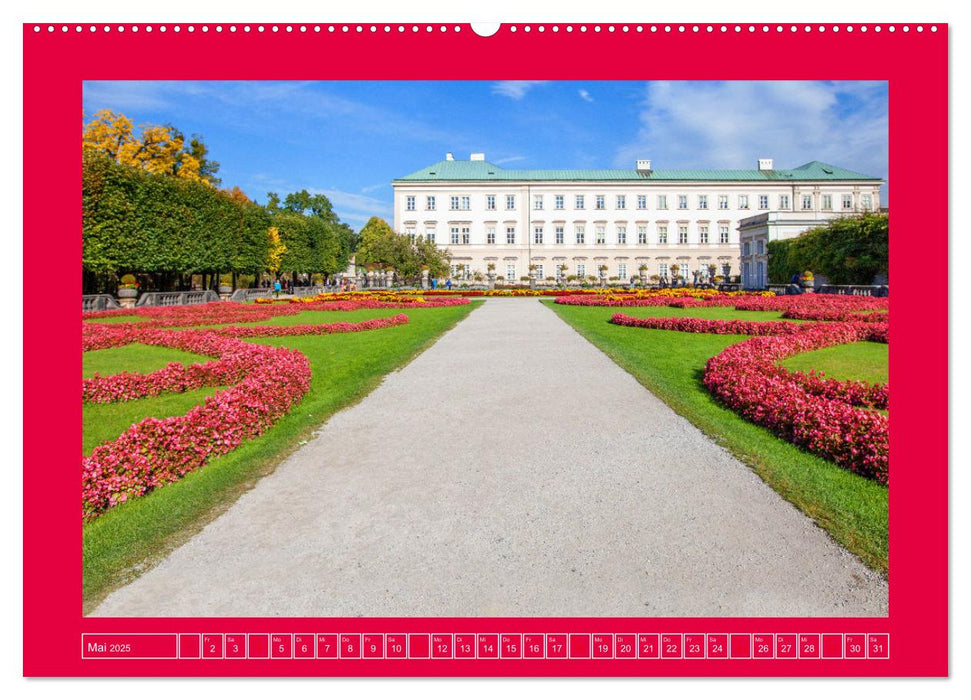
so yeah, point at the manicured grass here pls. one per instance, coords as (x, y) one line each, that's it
(117, 319)
(866, 361)
(106, 421)
(670, 364)
(716, 312)
(135, 358)
(133, 536)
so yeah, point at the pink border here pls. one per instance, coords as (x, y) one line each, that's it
(915, 64)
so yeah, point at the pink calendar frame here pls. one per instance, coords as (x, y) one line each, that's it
(912, 58)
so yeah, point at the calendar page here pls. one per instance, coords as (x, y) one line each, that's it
(549, 350)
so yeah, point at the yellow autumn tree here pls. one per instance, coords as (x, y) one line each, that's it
(277, 249)
(157, 149)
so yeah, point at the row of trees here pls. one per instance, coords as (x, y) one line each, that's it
(152, 207)
(379, 247)
(851, 250)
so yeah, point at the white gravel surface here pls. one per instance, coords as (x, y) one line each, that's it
(512, 469)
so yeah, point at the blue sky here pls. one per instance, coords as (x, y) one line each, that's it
(348, 140)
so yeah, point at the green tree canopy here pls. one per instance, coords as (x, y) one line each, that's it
(850, 250)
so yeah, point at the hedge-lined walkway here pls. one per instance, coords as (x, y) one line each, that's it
(510, 470)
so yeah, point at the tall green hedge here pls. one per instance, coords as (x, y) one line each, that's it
(851, 250)
(139, 222)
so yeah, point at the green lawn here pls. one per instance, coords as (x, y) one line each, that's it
(670, 364)
(866, 361)
(106, 421)
(135, 358)
(346, 367)
(117, 319)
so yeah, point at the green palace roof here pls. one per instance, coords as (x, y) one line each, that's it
(484, 171)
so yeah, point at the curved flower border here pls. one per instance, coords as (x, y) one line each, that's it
(266, 383)
(829, 418)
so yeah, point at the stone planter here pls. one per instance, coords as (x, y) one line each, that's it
(225, 291)
(127, 297)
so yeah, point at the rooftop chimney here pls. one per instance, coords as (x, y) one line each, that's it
(449, 156)
(643, 166)
(766, 164)
(477, 156)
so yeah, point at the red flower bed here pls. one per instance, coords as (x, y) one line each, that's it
(825, 416)
(158, 451)
(176, 377)
(818, 416)
(266, 382)
(220, 312)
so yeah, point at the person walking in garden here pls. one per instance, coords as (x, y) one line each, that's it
(448, 284)
(276, 288)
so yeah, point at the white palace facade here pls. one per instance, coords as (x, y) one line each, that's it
(548, 223)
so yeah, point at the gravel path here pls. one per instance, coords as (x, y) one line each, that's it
(510, 470)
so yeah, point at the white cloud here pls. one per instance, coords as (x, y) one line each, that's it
(585, 95)
(510, 159)
(731, 124)
(515, 89)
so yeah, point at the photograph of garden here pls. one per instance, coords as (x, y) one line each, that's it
(310, 405)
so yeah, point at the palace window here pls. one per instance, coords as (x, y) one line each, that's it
(558, 235)
(455, 235)
(703, 233)
(491, 202)
(581, 270)
(867, 202)
(723, 201)
(600, 202)
(784, 202)
(430, 235)
(410, 202)
(537, 202)
(642, 235)
(430, 202)
(723, 234)
(601, 235)
(621, 201)
(827, 202)
(760, 247)
(510, 235)
(410, 232)
(763, 201)
(702, 201)
(466, 235)
(581, 234)
(642, 201)
(662, 201)
(622, 235)
(662, 234)
(510, 272)
(807, 201)
(684, 271)
(579, 201)
(743, 201)
(847, 201)
(537, 234)
(682, 201)
(622, 270)
(491, 235)
(453, 203)
(510, 201)
(558, 201)
(682, 234)
(538, 271)
(746, 248)
(466, 203)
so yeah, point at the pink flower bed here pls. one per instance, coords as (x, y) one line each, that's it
(816, 415)
(824, 416)
(176, 377)
(220, 312)
(266, 382)
(157, 451)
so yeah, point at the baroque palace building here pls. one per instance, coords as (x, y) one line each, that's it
(534, 222)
